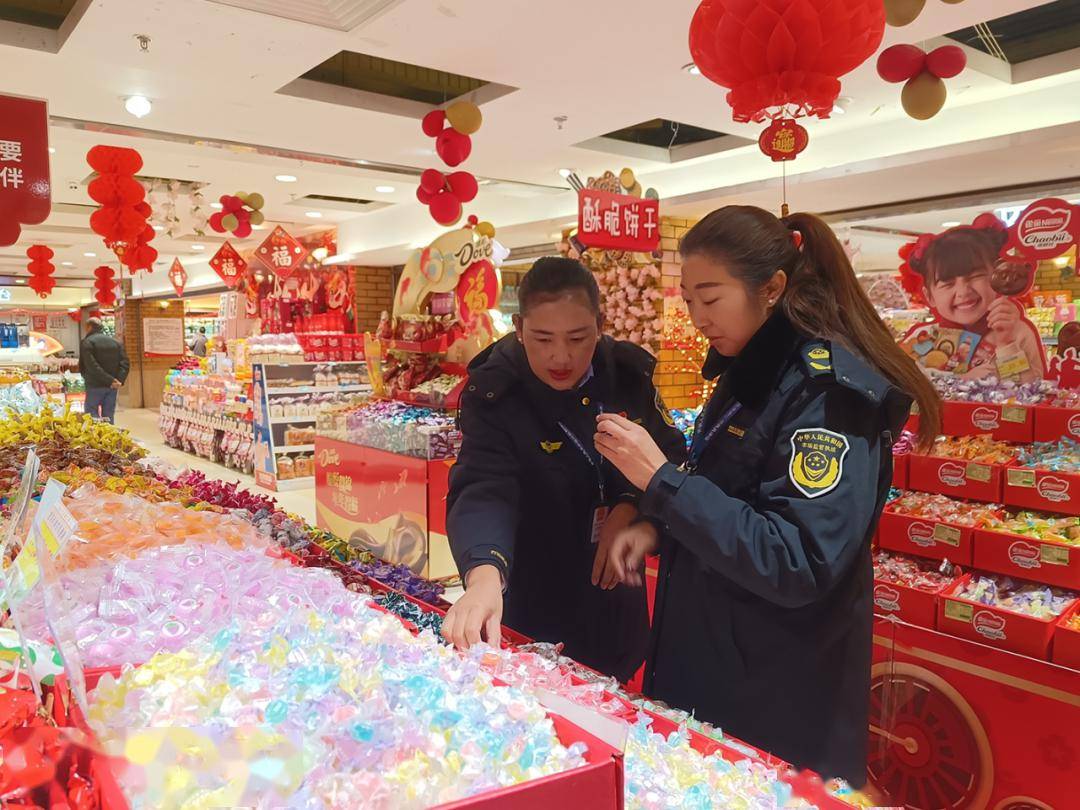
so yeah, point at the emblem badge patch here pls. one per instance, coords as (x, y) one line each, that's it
(550, 447)
(817, 460)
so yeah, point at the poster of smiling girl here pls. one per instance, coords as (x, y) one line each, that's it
(980, 328)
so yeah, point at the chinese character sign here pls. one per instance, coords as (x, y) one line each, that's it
(178, 276)
(281, 253)
(228, 264)
(25, 188)
(618, 221)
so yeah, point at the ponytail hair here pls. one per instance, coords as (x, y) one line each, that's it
(823, 298)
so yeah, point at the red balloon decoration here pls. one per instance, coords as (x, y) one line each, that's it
(446, 208)
(899, 63)
(924, 91)
(946, 62)
(40, 269)
(783, 58)
(463, 186)
(444, 194)
(239, 212)
(453, 147)
(433, 123)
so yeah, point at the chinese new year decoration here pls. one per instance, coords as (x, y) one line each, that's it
(443, 194)
(75, 315)
(783, 58)
(281, 252)
(122, 219)
(922, 73)
(25, 185)
(783, 139)
(178, 276)
(899, 13)
(104, 286)
(239, 212)
(41, 270)
(229, 265)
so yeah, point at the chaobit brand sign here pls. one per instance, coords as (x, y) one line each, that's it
(921, 534)
(952, 474)
(1024, 555)
(989, 625)
(1053, 489)
(887, 598)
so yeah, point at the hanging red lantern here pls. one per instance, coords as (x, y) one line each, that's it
(122, 218)
(783, 58)
(40, 269)
(105, 285)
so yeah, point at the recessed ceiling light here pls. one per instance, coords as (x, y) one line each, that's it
(564, 173)
(159, 228)
(215, 205)
(198, 247)
(52, 150)
(385, 189)
(20, 281)
(68, 264)
(313, 214)
(952, 223)
(485, 182)
(692, 69)
(139, 106)
(285, 178)
(90, 255)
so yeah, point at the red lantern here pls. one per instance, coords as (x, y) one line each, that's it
(122, 218)
(783, 140)
(40, 269)
(783, 57)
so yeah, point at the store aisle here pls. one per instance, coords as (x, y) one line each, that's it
(143, 425)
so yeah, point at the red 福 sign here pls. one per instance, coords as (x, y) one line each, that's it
(228, 264)
(25, 188)
(618, 221)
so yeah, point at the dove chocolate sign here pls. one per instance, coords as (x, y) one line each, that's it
(1024, 555)
(887, 598)
(989, 625)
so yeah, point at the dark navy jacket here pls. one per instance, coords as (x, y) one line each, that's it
(522, 496)
(764, 603)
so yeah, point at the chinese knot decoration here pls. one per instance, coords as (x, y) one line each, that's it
(783, 139)
(281, 253)
(122, 218)
(239, 212)
(41, 269)
(178, 276)
(783, 58)
(229, 265)
(104, 286)
(924, 91)
(444, 195)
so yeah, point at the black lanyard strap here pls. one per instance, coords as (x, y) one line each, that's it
(701, 443)
(596, 465)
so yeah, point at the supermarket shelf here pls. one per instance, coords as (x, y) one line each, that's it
(311, 389)
(292, 420)
(295, 483)
(295, 448)
(315, 363)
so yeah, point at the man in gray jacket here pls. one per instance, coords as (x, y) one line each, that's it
(104, 366)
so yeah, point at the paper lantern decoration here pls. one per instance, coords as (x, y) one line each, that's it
(104, 285)
(924, 91)
(122, 218)
(239, 212)
(75, 315)
(178, 276)
(783, 140)
(41, 269)
(783, 58)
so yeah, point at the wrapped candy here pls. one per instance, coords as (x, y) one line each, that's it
(923, 575)
(401, 578)
(1060, 456)
(1029, 598)
(1074, 622)
(904, 444)
(685, 419)
(992, 390)
(981, 449)
(946, 510)
(1050, 528)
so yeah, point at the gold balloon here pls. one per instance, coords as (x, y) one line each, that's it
(229, 222)
(635, 190)
(257, 218)
(626, 178)
(464, 116)
(899, 13)
(241, 195)
(924, 96)
(255, 201)
(485, 229)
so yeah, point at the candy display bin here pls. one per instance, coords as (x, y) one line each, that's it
(1045, 490)
(1026, 558)
(1066, 649)
(956, 477)
(994, 626)
(913, 605)
(1052, 424)
(925, 538)
(900, 466)
(1007, 423)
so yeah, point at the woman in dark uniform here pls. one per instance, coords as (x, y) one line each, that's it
(764, 604)
(532, 505)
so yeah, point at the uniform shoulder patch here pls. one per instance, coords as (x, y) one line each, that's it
(817, 460)
(665, 414)
(818, 358)
(550, 447)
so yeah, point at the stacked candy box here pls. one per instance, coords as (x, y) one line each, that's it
(907, 587)
(1066, 647)
(934, 525)
(1058, 416)
(1046, 476)
(1011, 614)
(964, 467)
(1031, 545)
(1000, 408)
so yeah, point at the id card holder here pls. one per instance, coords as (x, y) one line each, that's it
(600, 516)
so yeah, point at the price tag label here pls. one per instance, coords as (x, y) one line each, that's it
(1020, 477)
(960, 611)
(1014, 413)
(949, 535)
(1053, 555)
(978, 472)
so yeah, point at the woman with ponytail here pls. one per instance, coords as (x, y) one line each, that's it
(764, 605)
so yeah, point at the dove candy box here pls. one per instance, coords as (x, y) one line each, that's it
(1005, 613)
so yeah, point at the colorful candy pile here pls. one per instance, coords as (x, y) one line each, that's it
(411, 612)
(69, 429)
(992, 390)
(1040, 601)
(946, 510)
(905, 444)
(342, 707)
(685, 419)
(403, 429)
(401, 578)
(1050, 528)
(1061, 456)
(924, 575)
(125, 611)
(981, 449)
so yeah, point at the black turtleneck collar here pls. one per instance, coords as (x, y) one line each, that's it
(750, 376)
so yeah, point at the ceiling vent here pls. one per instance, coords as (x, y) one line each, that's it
(337, 15)
(664, 141)
(40, 25)
(348, 205)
